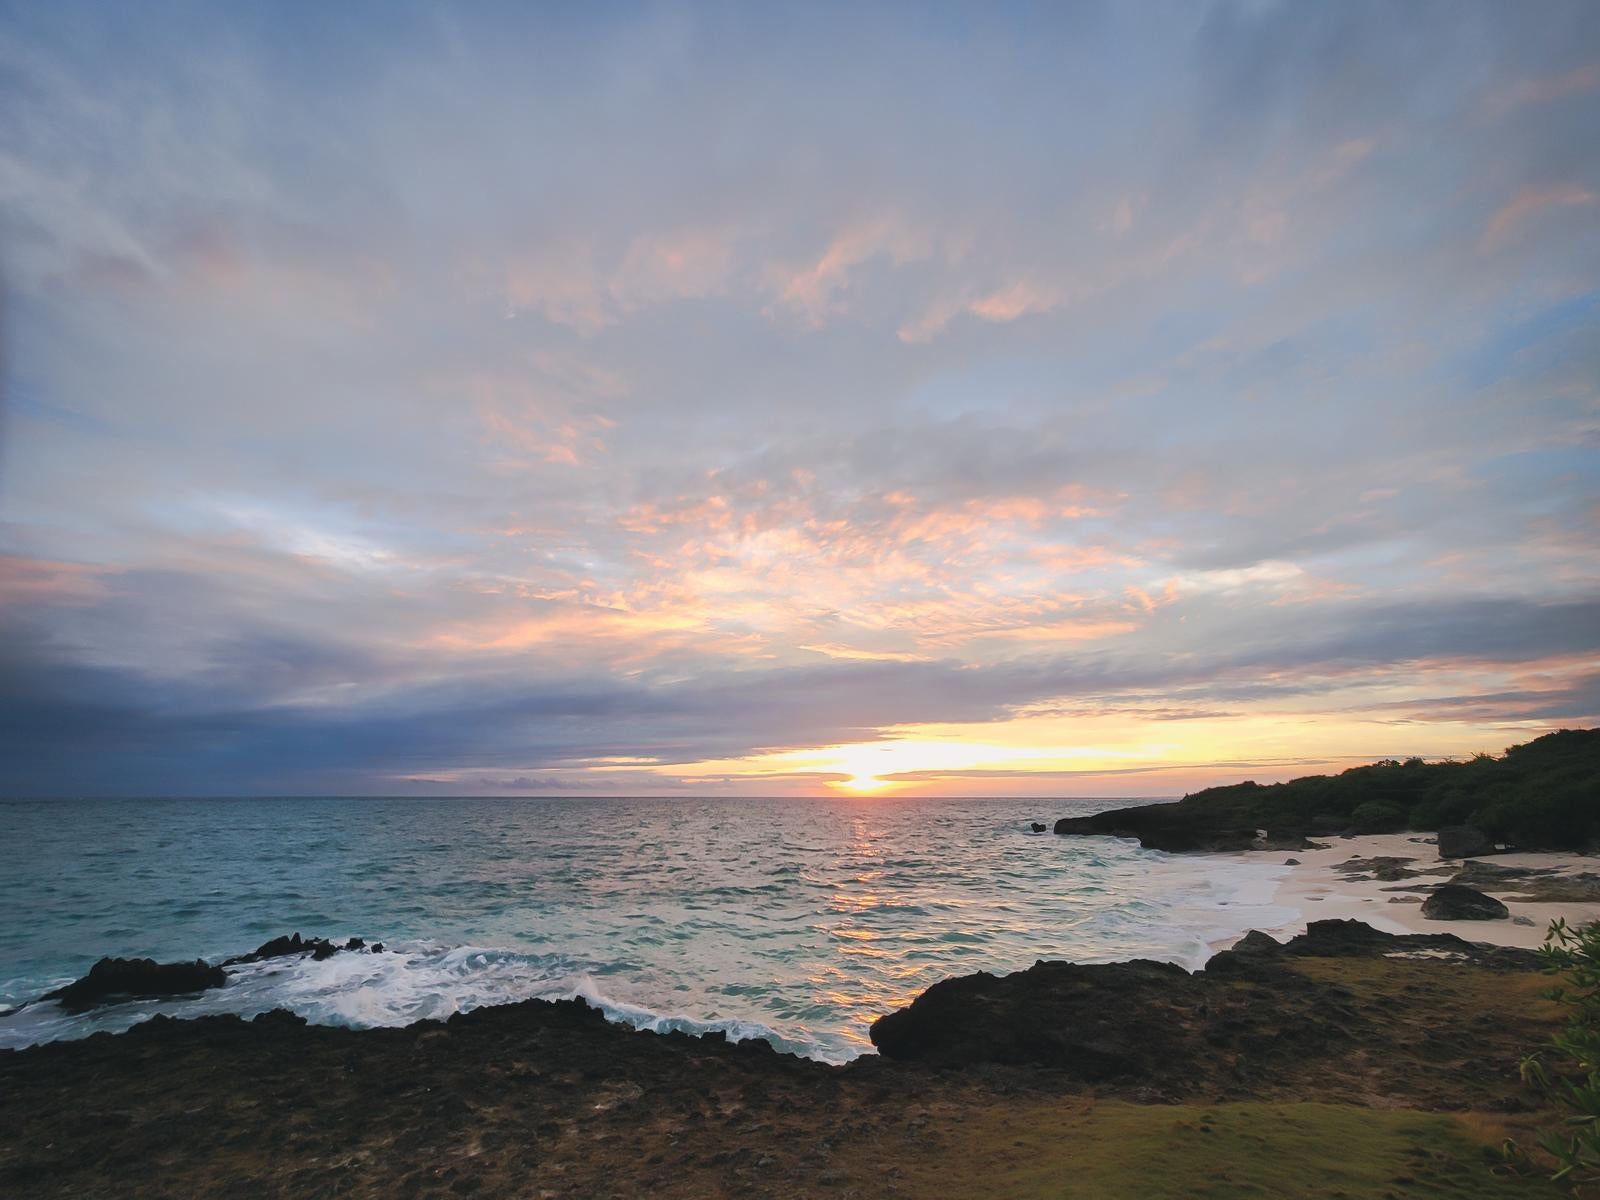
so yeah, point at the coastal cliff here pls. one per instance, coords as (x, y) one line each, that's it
(1544, 795)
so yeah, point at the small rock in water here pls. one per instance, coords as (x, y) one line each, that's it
(128, 978)
(1523, 921)
(284, 947)
(1291, 862)
(1038, 827)
(1453, 902)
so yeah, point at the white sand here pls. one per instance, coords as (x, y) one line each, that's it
(1316, 891)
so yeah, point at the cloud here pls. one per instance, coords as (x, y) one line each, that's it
(493, 397)
(1528, 204)
(1576, 82)
(812, 292)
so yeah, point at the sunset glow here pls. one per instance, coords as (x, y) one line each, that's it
(436, 417)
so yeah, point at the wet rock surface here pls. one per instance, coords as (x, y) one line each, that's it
(114, 979)
(293, 944)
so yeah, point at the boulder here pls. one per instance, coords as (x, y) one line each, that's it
(1464, 841)
(1157, 1024)
(113, 979)
(1454, 902)
(1038, 827)
(1253, 949)
(1111, 1021)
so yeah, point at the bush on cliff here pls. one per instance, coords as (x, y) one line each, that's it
(1543, 794)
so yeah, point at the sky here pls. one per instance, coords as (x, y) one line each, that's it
(1072, 399)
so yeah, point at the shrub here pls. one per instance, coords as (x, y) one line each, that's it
(1377, 817)
(1575, 1082)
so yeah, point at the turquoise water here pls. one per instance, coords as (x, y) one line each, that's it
(795, 920)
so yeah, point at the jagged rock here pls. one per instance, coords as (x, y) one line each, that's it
(1250, 950)
(283, 947)
(113, 979)
(283, 1018)
(1464, 841)
(1077, 1018)
(1291, 862)
(1038, 827)
(1154, 1021)
(1148, 1020)
(1453, 902)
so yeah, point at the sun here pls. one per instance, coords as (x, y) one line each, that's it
(863, 784)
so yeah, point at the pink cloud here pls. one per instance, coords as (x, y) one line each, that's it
(1543, 91)
(41, 580)
(812, 291)
(1527, 204)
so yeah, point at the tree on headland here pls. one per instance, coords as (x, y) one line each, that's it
(1543, 794)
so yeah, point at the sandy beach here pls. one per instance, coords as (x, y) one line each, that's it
(1324, 883)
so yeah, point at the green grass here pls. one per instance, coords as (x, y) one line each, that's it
(1111, 1150)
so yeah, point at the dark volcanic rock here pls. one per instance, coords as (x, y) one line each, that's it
(548, 1097)
(1038, 827)
(1453, 902)
(1155, 1021)
(1533, 885)
(1248, 952)
(113, 979)
(1055, 1014)
(1384, 868)
(283, 947)
(1175, 829)
(1463, 841)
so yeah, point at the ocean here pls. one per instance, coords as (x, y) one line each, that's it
(794, 920)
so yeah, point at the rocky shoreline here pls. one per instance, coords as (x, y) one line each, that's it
(549, 1099)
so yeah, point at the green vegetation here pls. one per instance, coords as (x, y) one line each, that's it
(1574, 1081)
(1544, 795)
(1110, 1150)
